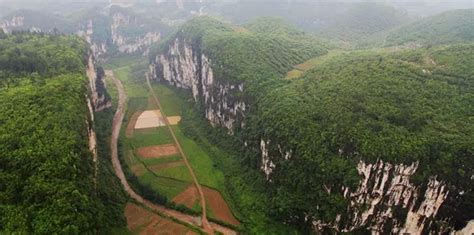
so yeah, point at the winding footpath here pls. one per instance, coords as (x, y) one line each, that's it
(116, 126)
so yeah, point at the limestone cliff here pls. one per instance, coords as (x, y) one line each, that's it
(185, 66)
(130, 44)
(13, 22)
(98, 49)
(99, 97)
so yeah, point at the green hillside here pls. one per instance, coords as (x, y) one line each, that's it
(455, 26)
(232, 50)
(403, 107)
(46, 167)
(399, 106)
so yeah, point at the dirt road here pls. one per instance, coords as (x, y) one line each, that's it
(116, 125)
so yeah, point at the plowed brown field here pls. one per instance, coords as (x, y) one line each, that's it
(188, 197)
(141, 221)
(219, 207)
(162, 166)
(158, 151)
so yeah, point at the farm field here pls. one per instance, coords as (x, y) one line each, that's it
(142, 221)
(151, 155)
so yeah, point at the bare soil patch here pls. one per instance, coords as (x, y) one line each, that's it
(131, 124)
(158, 151)
(188, 197)
(174, 120)
(166, 165)
(141, 221)
(219, 206)
(149, 119)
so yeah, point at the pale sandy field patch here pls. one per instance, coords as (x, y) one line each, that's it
(149, 119)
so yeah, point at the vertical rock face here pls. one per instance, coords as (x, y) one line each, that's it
(267, 164)
(92, 135)
(98, 49)
(130, 44)
(99, 99)
(393, 201)
(185, 66)
(15, 21)
(387, 202)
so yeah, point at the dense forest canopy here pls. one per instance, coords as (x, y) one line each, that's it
(238, 53)
(46, 167)
(367, 107)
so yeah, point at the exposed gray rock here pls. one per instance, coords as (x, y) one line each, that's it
(186, 67)
(99, 99)
(134, 44)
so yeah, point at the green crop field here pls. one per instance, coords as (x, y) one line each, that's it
(201, 163)
(159, 136)
(165, 186)
(180, 172)
(172, 104)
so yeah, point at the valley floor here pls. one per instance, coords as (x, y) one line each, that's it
(163, 160)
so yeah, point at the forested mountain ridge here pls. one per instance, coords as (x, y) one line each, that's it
(47, 173)
(363, 141)
(228, 56)
(454, 26)
(410, 108)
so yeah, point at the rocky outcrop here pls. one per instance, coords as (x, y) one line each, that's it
(185, 66)
(468, 230)
(393, 203)
(99, 98)
(386, 202)
(92, 137)
(130, 44)
(15, 21)
(99, 49)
